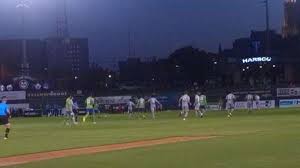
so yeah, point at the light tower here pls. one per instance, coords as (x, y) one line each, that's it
(23, 5)
(291, 18)
(268, 43)
(131, 44)
(62, 28)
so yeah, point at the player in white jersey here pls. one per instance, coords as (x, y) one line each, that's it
(141, 106)
(249, 98)
(257, 100)
(185, 103)
(197, 104)
(230, 98)
(130, 106)
(153, 102)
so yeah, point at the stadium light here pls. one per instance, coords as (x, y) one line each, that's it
(260, 66)
(247, 67)
(274, 66)
(215, 62)
(244, 70)
(109, 76)
(23, 4)
(76, 77)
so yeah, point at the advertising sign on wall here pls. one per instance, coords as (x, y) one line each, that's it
(287, 103)
(264, 104)
(288, 92)
(14, 95)
(113, 100)
(265, 94)
(19, 106)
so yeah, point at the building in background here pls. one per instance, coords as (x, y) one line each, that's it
(11, 58)
(291, 26)
(68, 59)
(249, 64)
(59, 60)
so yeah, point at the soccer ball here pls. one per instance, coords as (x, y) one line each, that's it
(183, 119)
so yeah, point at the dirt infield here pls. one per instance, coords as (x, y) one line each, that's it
(28, 158)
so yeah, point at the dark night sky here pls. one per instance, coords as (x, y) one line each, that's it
(160, 26)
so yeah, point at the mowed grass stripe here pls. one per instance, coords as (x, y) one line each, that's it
(32, 135)
(16, 160)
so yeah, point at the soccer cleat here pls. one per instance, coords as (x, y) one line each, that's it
(94, 123)
(5, 138)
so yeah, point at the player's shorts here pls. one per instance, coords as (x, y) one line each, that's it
(69, 113)
(185, 107)
(4, 120)
(229, 106)
(250, 105)
(202, 107)
(197, 107)
(89, 110)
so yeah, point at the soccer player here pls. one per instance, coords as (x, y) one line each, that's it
(197, 104)
(4, 116)
(203, 104)
(75, 110)
(130, 106)
(141, 105)
(153, 102)
(249, 99)
(69, 111)
(257, 100)
(230, 103)
(185, 102)
(90, 103)
(97, 107)
(220, 103)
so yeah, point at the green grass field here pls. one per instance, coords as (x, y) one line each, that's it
(264, 139)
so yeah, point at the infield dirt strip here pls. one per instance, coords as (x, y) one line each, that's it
(28, 158)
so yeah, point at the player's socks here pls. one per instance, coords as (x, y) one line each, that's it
(6, 132)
